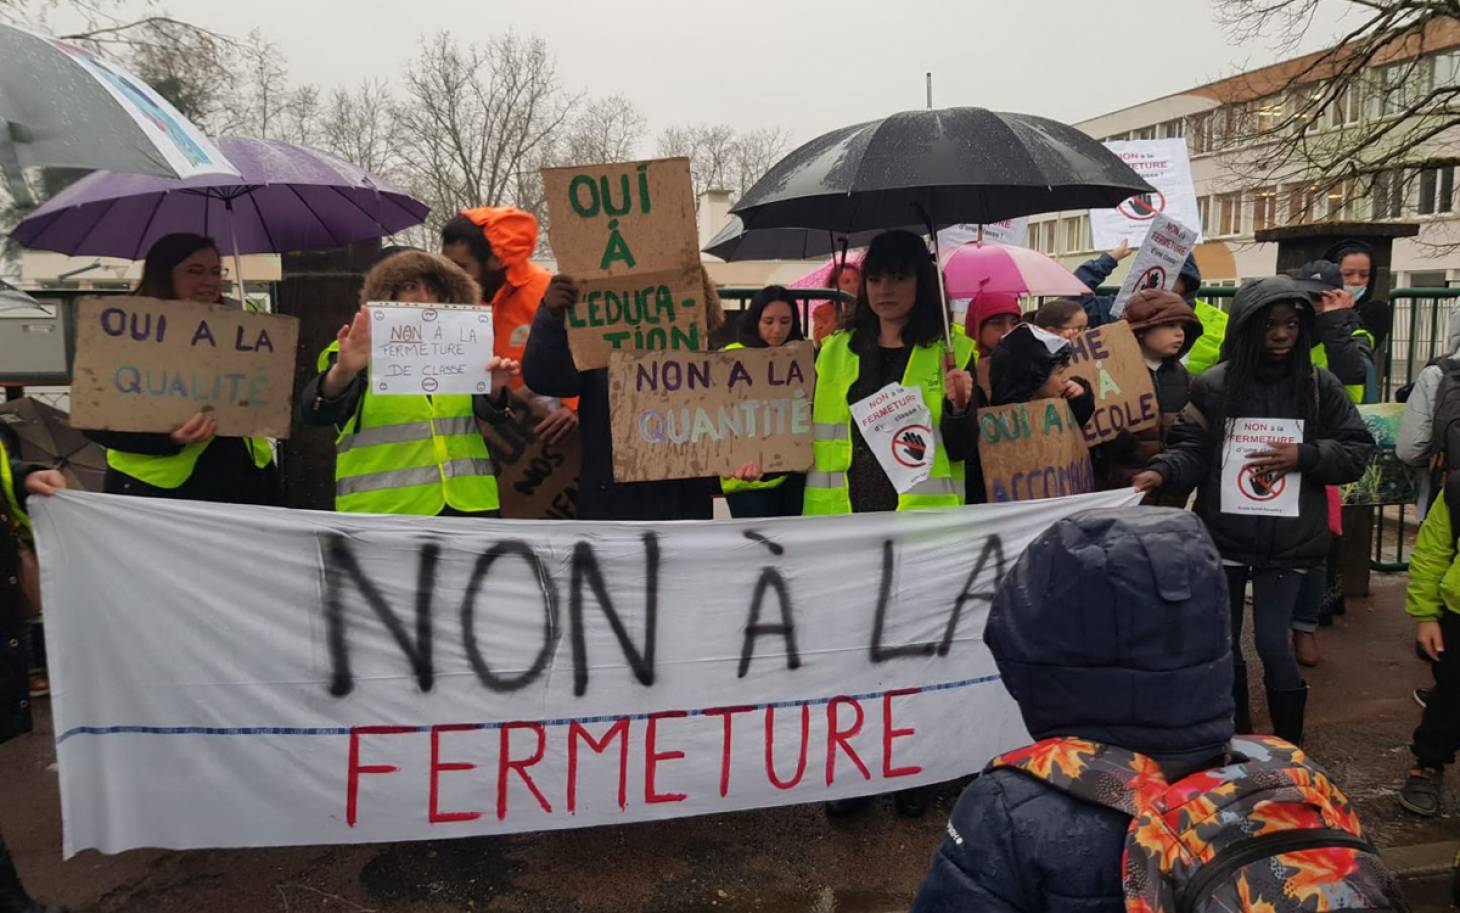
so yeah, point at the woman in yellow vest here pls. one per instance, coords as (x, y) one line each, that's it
(895, 333)
(769, 322)
(189, 461)
(421, 455)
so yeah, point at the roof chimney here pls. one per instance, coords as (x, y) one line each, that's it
(712, 212)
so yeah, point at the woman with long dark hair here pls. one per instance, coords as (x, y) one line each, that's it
(1267, 372)
(771, 321)
(189, 461)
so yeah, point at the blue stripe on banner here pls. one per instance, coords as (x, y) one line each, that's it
(582, 720)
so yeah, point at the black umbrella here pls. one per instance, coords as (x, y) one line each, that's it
(736, 242)
(938, 168)
(46, 436)
(942, 167)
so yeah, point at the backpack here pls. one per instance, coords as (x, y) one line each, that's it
(1266, 833)
(1445, 433)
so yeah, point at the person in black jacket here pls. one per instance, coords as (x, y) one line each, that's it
(184, 267)
(548, 369)
(1112, 627)
(1360, 274)
(1268, 373)
(21, 480)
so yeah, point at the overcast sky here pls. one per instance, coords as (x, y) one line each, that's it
(806, 65)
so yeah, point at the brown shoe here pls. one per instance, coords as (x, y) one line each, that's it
(1305, 648)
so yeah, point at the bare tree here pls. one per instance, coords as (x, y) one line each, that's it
(604, 130)
(1355, 120)
(359, 126)
(720, 158)
(477, 121)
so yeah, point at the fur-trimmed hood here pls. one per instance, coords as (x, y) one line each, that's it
(389, 274)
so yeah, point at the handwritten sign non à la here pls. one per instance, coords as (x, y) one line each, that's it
(627, 233)
(686, 415)
(148, 365)
(429, 678)
(1109, 358)
(431, 349)
(535, 480)
(1033, 450)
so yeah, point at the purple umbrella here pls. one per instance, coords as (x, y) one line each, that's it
(288, 198)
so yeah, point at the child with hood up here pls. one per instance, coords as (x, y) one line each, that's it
(1028, 363)
(1166, 328)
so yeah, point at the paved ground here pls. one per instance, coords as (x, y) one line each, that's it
(786, 860)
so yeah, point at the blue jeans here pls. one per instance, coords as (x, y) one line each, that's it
(1275, 594)
(1309, 610)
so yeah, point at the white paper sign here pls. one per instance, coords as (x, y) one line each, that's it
(1009, 231)
(442, 349)
(1158, 263)
(1165, 165)
(898, 427)
(1246, 492)
(350, 678)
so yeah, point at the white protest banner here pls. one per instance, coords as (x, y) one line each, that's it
(1165, 165)
(1248, 492)
(1009, 231)
(406, 678)
(898, 428)
(1158, 263)
(417, 349)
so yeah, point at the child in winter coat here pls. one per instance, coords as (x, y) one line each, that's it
(1167, 328)
(1267, 372)
(1433, 601)
(1111, 627)
(1028, 364)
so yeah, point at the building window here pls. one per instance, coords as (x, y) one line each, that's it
(1269, 114)
(1348, 105)
(1144, 133)
(1117, 138)
(1173, 129)
(1229, 214)
(1436, 190)
(1204, 210)
(1264, 208)
(1447, 70)
(1199, 133)
(1077, 234)
(1398, 86)
(1049, 235)
(1300, 210)
(1388, 195)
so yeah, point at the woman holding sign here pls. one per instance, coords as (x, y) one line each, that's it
(894, 338)
(1264, 432)
(190, 461)
(406, 453)
(771, 321)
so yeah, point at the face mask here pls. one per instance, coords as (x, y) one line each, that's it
(1358, 291)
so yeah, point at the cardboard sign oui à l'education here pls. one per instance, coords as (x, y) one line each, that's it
(679, 415)
(416, 349)
(535, 480)
(148, 365)
(626, 232)
(1033, 450)
(1109, 358)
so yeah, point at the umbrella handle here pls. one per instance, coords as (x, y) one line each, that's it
(942, 292)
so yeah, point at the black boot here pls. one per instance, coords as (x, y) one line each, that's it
(13, 898)
(1242, 706)
(1286, 709)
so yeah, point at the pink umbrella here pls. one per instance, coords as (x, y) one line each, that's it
(977, 268)
(819, 277)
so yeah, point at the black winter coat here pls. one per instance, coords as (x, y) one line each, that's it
(224, 473)
(548, 369)
(15, 716)
(1335, 452)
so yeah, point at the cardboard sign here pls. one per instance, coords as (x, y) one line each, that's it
(149, 365)
(1158, 263)
(1109, 358)
(686, 415)
(1033, 450)
(622, 219)
(1166, 166)
(1248, 492)
(417, 349)
(898, 428)
(664, 311)
(535, 480)
(580, 674)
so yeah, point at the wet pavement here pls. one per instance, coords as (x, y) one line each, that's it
(788, 860)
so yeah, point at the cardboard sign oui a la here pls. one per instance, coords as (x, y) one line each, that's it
(1109, 358)
(680, 415)
(626, 232)
(1033, 450)
(148, 365)
(535, 480)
